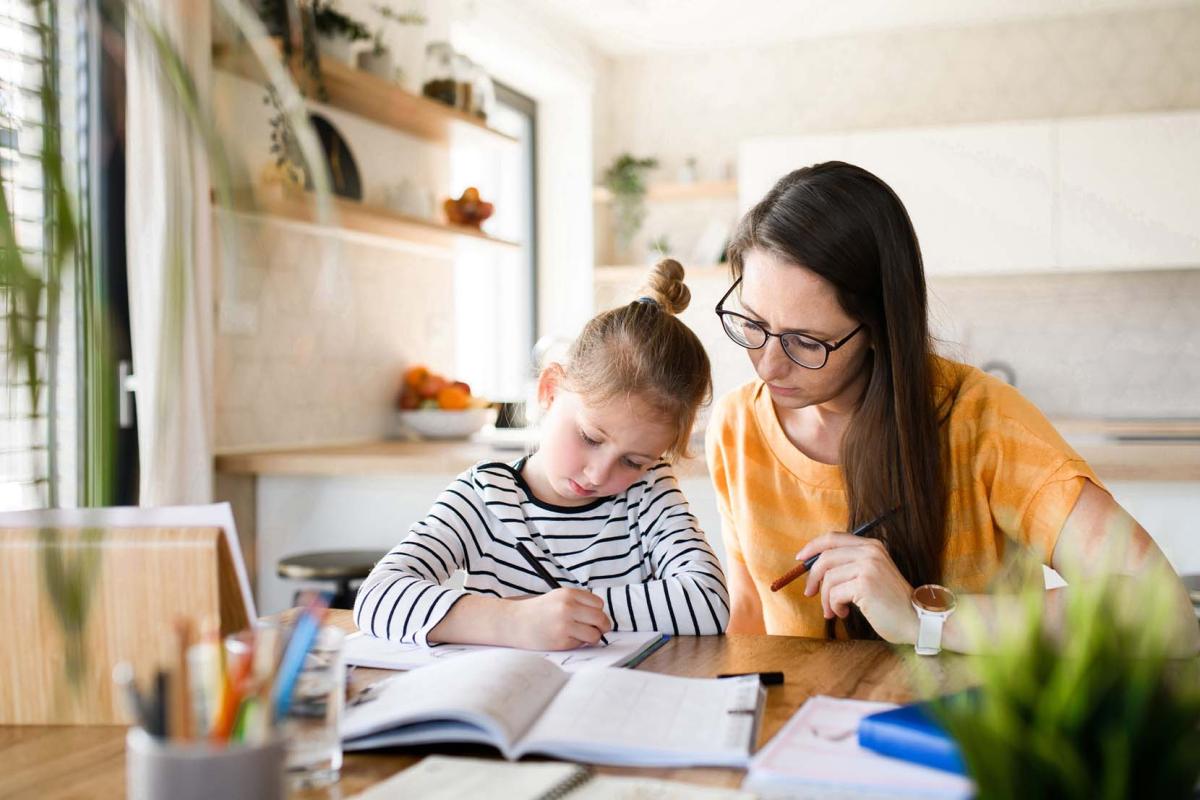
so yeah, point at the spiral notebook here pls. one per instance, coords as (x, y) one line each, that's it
(452, 777)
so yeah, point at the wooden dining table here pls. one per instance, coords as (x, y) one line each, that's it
(89, 761)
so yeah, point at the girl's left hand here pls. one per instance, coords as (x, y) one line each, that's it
(859, 571)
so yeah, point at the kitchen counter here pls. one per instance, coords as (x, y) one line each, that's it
(1124, 450)
(386, 457)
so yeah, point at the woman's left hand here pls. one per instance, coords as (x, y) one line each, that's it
(858, 571)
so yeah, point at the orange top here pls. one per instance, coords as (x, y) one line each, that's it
(1012, 477)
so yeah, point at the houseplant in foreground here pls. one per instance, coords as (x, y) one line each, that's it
(1105, 710)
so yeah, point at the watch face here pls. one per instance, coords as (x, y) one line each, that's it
(934, 598)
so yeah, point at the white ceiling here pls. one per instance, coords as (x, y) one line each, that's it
(625, 27)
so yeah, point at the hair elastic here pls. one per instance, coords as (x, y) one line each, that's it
(650, 301)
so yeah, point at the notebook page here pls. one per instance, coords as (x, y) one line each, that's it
(628, 717)
(503, 691)
(816, 754)
(368, 651)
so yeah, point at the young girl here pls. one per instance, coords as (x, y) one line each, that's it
(597, 505)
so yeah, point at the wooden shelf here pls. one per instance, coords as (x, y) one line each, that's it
(368, 96)
(700, 190)
(364, 220)
(634, 272)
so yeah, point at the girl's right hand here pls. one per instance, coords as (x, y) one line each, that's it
(562, 619)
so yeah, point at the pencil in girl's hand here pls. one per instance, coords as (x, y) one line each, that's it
(545, 575)
(803, 567)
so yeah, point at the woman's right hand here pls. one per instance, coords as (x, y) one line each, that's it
(562, 619)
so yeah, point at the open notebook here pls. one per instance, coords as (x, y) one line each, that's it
(625, 649)
(520, 703)
(454, 777)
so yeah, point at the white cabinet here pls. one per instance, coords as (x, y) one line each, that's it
(1129, 191)
(979, 196)
(1039, 196)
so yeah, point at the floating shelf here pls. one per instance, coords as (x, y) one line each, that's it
(633, 272)
(700, 190)
(361, 219)
(368, 96)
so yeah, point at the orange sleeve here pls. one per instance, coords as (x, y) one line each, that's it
(715, 455)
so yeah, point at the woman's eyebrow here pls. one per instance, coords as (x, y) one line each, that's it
(805, 331)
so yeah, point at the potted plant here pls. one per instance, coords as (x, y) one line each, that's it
(380, 60)
(1106, 709)
(626, 179)
(337, 33)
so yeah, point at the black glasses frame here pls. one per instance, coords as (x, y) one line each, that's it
(829, 347)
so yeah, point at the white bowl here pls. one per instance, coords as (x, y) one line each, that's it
(435, 423)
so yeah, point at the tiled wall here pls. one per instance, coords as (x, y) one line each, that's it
(1091, 345)
(334, 329)
(703, 104)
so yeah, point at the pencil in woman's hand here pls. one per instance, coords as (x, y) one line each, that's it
(803, 567)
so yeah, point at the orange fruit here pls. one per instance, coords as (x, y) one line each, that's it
(415, 376)
(453, 398)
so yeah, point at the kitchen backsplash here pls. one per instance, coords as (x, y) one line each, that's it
(331, 338)
(1123, 344)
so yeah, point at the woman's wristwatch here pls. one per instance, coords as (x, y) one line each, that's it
(934, 604)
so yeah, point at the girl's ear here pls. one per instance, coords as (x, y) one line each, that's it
(549, 382)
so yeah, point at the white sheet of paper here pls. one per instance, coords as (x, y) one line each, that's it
(816, 754)
(216, 515)
(368, 651)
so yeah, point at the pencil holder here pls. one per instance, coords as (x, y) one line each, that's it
(156, 769)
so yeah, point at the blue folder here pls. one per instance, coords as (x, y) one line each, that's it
(912, 734)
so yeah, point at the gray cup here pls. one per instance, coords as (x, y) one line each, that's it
(156, 769)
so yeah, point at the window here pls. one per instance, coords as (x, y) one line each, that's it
(35, 469)
(495, 289)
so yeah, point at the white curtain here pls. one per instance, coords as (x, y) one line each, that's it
(169, 244)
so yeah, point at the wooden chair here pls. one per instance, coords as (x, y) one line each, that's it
(138, 582)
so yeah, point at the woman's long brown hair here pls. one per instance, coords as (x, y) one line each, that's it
(849, 227)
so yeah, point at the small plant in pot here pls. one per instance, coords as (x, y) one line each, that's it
(626, 179)
(337, 32)
(380, 60)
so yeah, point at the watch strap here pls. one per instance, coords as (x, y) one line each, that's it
(929, 634)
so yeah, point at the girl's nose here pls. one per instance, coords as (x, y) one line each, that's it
(597, 472)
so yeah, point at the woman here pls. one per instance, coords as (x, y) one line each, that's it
(854, 418)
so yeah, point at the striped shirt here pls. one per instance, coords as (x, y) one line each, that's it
(642, 551)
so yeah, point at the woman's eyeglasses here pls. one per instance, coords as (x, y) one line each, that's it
(803, 350)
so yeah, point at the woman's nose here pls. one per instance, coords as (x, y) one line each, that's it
(771, 362)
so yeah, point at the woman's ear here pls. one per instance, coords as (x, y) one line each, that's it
(549, 382)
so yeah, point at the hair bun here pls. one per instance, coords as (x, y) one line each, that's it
(666, 287)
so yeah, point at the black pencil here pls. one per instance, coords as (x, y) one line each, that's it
(543, 573)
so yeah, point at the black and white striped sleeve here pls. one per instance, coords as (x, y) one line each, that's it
(403, 599)
(686, 593)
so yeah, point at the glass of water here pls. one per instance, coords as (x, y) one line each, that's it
(315, 716)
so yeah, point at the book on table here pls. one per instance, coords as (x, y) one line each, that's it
(521, 704)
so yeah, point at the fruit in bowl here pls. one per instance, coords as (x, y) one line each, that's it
(437, 408)
(468, 209)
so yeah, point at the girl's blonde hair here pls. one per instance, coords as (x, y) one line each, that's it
(642, 350)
